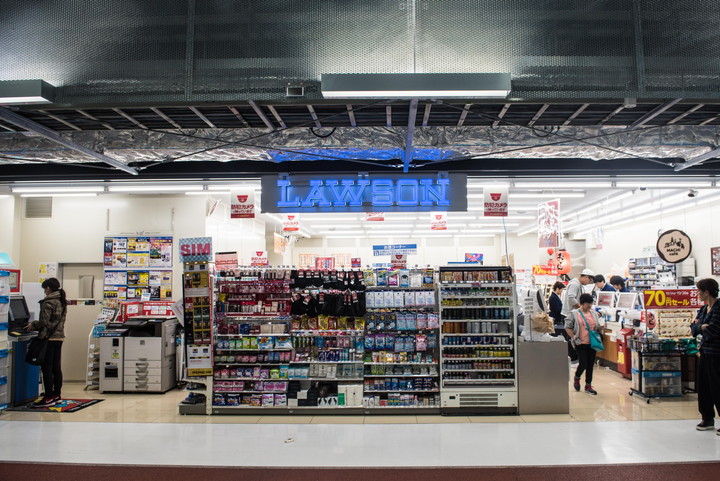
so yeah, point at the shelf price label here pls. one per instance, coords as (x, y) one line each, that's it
(671, 299)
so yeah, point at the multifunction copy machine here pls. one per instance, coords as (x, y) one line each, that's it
(138, 355)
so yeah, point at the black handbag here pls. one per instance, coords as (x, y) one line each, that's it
(37, 349)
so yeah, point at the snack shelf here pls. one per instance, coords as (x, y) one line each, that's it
(402, 390)
(499, 358)
(402, 375)
(325, 379)
(248, 379)
(400, 331)
(477, 345)
(314, 332)
(255, 350)
(470, 306)
(478, 370)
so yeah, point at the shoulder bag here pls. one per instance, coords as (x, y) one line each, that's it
(595, 338)
(37, 348)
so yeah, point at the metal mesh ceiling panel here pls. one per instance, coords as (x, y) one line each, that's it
(105, 52)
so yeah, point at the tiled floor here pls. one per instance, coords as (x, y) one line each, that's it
(611, 404)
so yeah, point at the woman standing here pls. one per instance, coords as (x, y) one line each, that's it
(51, 326)
(707, 324)
(577, 326)
(558, 319)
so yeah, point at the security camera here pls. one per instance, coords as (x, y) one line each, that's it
(692, 193)
(643, 189)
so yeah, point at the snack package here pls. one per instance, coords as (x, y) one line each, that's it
(369, 343)
(421, 342)
(283, 342)
(232, 399)
(401, 323)
(265, 343)
(342, 323)
(382, 277)
(380, 342)
(274, 373)
(404, 278)
(312, 323)
(432, 320)
(370, 299)
(388, 299)
(280, 399)
(410, 299)
(391, 322)
(393, 278)
(422, 320)
(390, 342)
(428, 277)
(411, 321)
(399, 299)
(253, 343)
(369, 277)
(268, 400)
(416, 278)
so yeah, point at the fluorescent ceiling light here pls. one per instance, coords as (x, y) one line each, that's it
(14, 92)
(154, 188)
(559, 195)
(59, 195)
(415, 85)
(475, 235)
(55, 190)
(570, 184)
(663, 185)
(253, 186)
(329, 217)
(205, 192)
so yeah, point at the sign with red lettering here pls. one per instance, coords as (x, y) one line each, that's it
(438, 220)
(374, 216)
(496, 201)
(242, 205)
(196, 249)
(671, 299)
(539, 270)
(398, 261)
(291, 222)
(259, 258)
(355, 262)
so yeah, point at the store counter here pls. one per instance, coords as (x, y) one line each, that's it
(24, 379)
(543, 378)
(609, 357)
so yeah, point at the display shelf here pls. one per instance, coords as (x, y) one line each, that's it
(446, 369)
(315, 332)
(479, 358)
(478, 345)
(401, 375)
(224, 391)
(286, 334)
(478, 381)
(402, 390)
(324, 362)
(260, 363)
(401, 363)
(475, 284)
(451, 296)
(336, 379)
(478, 320)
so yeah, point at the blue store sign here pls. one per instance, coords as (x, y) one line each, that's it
(373, 193)
(391, 249)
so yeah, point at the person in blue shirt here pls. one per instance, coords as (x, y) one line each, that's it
(619, 283)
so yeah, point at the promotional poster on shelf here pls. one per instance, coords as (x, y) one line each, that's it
(226, 260)
(671, 299)
(438, 220)
(291, 222)
(259, 258)
(124, 251)
(242, 205)
(398, 261)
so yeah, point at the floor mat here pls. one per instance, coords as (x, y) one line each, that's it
(64, 406)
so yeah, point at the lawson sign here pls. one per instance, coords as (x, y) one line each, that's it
(369, 193)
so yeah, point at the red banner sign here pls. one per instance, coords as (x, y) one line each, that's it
(544, 270)
(671, 299)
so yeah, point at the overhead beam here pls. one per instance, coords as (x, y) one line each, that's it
(463, 115)
(203, 117)
(7, 127)
(612, 114)
(32, 126)
(165, 117)
(277, 116)
(412, 117)
(388, 116)
(580, 110)
(61, 120)
(698, 160)
(502, 113)
(710, 120)
(426, 115)
(237, 115)
(653, 113)
(351, 114)
(261, 114)
(537, 115)
(314, 116)
(92, 117)
(130, 118)
(686, 113)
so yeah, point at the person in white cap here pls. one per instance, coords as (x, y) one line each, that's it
(572, 299)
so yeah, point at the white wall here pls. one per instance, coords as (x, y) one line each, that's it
(9, 227)
(629, 240)
(244, 236)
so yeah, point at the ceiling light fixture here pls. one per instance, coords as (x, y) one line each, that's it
(154, 188)
(416, 85)
(17, 92)
(55, 190)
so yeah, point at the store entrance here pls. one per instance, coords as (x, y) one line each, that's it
(83, 285)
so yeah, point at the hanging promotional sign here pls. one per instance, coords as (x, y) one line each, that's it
(355, 262)
(671, 299)
(496, 201)
(398, 261)
(366, 193)
(549, 270)
(549, 224)
(195, 249)
(291, 222)
(242, 205)
(279, 243)
(259, 258)
(438, 220)
(388, 250)
(474, 257)
(374, 216)
(674, 246)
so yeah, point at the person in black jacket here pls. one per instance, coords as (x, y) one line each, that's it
(707, 324)
(558, 319)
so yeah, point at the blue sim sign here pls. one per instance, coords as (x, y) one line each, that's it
(386, 193)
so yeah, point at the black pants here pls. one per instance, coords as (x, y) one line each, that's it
(51, 372)
(571, 350)
(708, 387)
(586, 362)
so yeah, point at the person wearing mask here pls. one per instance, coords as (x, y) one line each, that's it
(578, 326)
(707, 324)
(619, 284)
(601, 285)
(572, 300)
(51, 326)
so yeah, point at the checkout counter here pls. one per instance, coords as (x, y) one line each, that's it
(138, 355)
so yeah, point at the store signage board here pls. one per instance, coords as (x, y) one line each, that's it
(539, 270)
(438, 220)
(674, 246)
(226, 260)
(242, 205)
(398, 261)
(392, 249)
(291, 222)
(196, 249)
(496, 201)
(549, 224)
(374, 216)
(367, 193)
(259, 258)
(671, 299)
